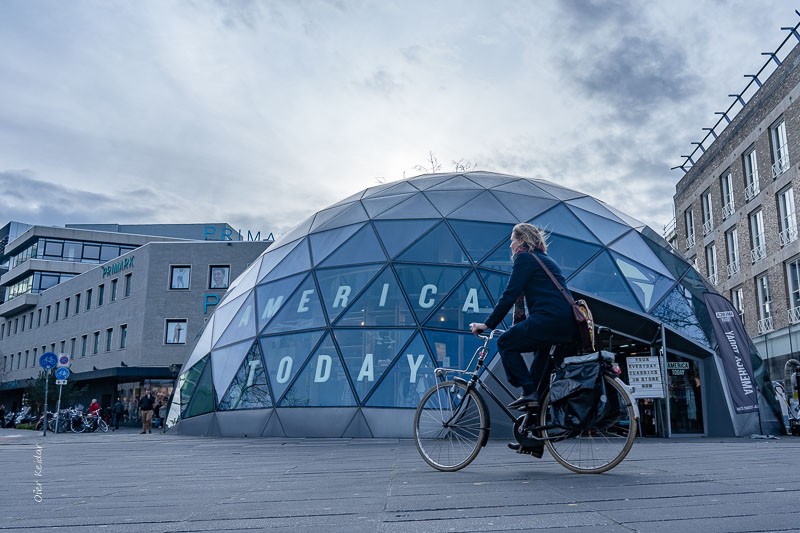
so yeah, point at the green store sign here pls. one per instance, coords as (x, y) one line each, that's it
(118, 267)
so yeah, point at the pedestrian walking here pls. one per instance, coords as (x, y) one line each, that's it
(146, 405)
(117, 412)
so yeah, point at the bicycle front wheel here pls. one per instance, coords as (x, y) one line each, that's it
(450, 426)
(102, 425)
(598, 449)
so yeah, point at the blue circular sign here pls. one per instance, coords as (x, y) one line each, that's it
(62, 373)
(48, 360)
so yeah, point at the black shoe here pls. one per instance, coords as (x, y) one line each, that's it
(537, 452)
(526, 400)
(141, 432)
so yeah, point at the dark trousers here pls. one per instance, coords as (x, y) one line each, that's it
(511, 345)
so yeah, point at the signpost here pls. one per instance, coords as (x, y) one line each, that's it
(62, 373)
(644, 374)
(47, 361)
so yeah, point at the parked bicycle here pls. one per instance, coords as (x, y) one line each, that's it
(81, 422)
(452, 424)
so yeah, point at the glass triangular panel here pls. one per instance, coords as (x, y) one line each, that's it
(188, 380)
(525, 187)
(296, 261)
(455, 183)
(352, 214)
(524, 207)
(203, 345)
(339, 286)
(202, 397)
(426, 181)
(243, 325)
(301, 311)
(647, 285)
(249, 388)
(632, 245)
(489, 180)
(468, 303)
(272, 257)
(479, 238)
(397, 234)
(672, 261)
(362, 247)
(570, 254)
(270, 297)
(484, 207)
(243, 283)
(322, 244)
(448, 201)
(368, 353)
(409, 377)
(562, 221)
(300, 230)
(629, 220)
(606, 229)
(437, 246)
(454, 350)
(325, 215)
(390, 189)
(415, 207)
(676, 310)
(285, 356)
(499, 259)
(349, 199)
(602, 278)
(593, 205)
(322, 382)
(225, 362)
(223, 317)
(496, 282)
(379, 204)
(427, 285)
(381, 304)
(558, 191)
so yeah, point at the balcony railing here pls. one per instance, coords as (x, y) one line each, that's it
(780, 166)
(752, 190)
(727, 210)
(708, 226)
(765, 325)
(733, 268)
(788, 235)
(690, 242)
(758, 253)
(794, 315)
(712, 277)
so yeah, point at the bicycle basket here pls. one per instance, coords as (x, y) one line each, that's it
(577, 392)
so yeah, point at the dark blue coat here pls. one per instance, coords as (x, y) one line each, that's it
(550, 317)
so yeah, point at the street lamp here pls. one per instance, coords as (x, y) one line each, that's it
(174, 369)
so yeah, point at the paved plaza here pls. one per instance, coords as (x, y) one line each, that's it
(125, 481)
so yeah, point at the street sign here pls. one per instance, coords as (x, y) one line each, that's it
(61, 382)
(62, 373)
(48, 360)
(63, 359)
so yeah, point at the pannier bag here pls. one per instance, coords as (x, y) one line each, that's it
(578, 395)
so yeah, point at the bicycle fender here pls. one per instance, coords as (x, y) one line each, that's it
(629, 390)
(487, 429)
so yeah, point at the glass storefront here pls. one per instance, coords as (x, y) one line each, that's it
(685, 400)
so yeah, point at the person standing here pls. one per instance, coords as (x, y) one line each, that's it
(146, 405)
(117, 411)
(2, 416)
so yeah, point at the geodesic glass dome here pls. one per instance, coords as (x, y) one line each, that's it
(335, 330)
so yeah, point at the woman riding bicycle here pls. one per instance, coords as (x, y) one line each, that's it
(549, 317)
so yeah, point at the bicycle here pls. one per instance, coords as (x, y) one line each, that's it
(452, 424)
(81, 422)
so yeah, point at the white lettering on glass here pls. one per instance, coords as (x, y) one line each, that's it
(284, 370)
(251, 371)
(245, 320)
(324, 363)
(273, 304)
(384, 293)
(367, 369)
(341, 296)
(304, 299)
(424, 301)
(414, 366)
(471, 303)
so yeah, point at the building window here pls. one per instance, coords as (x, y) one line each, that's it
(732, 244)
(759, 250)
(114, 290)
(787, 217)
(711, 262)
(764, 299)
(688, 217)
(62, 345)
(708, 213)
(793, 282)
(752, 187)
(84, 343)
(57, 311)
(88, 299)
(123, 336)
(101, 293)
(179, 277)
(66, 307)
(72, 342)
(780, 149)
(218, 277)
(16, 325)
(127, 290)
(47, 315)
(176, 332)
(23, 324)
(109, 334)
(726, 184)
(27, 358)
(39, 318)
(96, 342)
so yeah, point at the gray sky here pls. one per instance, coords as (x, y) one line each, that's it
(259, 113)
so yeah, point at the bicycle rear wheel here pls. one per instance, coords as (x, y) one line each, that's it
(450, 426)
(598, 449)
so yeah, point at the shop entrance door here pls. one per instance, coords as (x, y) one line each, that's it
(685, 395)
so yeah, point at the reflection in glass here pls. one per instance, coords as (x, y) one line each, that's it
(322, 382)
(368, 353)
(407, 380)
(249, 389)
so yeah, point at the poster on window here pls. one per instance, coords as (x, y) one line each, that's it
(734, 350)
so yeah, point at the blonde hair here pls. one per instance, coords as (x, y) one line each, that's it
(531, 235)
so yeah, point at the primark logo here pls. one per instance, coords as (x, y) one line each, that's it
(724, 316)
